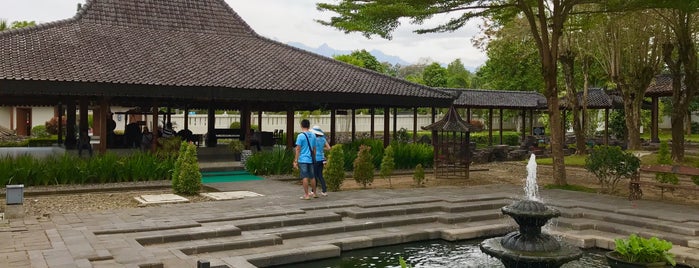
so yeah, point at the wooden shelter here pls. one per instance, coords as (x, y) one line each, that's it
(451, 139)
(183, 54)
(661, 86)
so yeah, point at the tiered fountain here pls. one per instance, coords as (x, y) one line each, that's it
(529, 247)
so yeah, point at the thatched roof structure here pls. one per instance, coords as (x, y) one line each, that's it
(497, 99)
(451, 122)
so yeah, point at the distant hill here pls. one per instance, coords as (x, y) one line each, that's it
(328, 51)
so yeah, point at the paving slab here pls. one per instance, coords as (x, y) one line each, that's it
(230, 195)
(152, 199)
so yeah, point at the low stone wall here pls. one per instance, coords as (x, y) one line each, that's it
(36, 152)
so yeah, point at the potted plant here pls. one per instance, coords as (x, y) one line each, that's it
(637, 251)
(237, 148)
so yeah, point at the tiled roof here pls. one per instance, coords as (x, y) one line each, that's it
(184, 43)
(478, 98)
(660, 86)
(597, 98)
(451, 122)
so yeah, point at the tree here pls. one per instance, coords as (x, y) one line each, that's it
(15, 24)
(546, 20)
(334, 172)
(363, 59)
(363, 172)
(457, 75)
(387, 165)
(435, 75)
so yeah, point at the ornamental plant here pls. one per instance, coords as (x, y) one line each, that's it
(186, 178)
(363, 166)
(610, 164)
(664, 159)
(419, 175)
(387, 165)
(334, 170)
(640, 250)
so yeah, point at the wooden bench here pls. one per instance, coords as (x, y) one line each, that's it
(684, 183)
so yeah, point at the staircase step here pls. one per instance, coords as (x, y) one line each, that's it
(310, 218)
(611, 227)
(643, 222)
(214, 246)
(190, 234)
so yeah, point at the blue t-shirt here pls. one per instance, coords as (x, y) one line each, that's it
(320, 147)
(303, 141)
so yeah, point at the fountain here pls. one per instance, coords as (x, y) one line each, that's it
(529, 247)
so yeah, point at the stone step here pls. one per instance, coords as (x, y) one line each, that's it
(232, 216)
(623, 229)
(310, 218)
(371, 212)
(219, 244)
(472, 216)
(196, 233)
(648, 223)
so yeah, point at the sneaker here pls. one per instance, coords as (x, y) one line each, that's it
(314, 195)
(324, 194)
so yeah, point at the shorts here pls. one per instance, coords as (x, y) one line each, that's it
(306, 170)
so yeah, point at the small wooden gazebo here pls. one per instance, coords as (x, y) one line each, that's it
(451, 138)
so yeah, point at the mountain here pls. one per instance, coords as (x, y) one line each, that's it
(328, 51)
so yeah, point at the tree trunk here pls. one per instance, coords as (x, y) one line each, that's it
(567, 59)
(632, 110)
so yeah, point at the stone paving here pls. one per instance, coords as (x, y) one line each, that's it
(279, 228)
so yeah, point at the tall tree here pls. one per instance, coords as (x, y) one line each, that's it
(546, 20)
(435, 75)
(362, 58)
(457, 75)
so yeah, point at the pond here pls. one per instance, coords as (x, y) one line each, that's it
(433, 254)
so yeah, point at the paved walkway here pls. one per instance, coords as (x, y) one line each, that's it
(280, 228)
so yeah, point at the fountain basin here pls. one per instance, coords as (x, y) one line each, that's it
(530, 259)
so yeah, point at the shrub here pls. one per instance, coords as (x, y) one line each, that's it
(186, 177)
(387, 165)
(236, 146)
(277, 161)
(40, 132)
(419, 176)
(640, 250)
(334, 171)
(509, 138)
(407, 155)
(363, 167)
(610, 164)
(664, 159)
(477, 125)
(351, 149)
(52, 125)
(402, 135)
(169, 144)
(41, 142)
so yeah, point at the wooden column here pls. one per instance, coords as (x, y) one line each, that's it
(354, 125)
(386, 126)
(259, 120)
(606, 126)
(524, 125)
(104, 108)
(468, 115)
(210, 126)
(186, 117)
(653, 120)
(168, 118)
(415, 124)
(333, 121)
(245, 125)
(372, 111)
(154, 127)
(395, 123)
(531, 122)
(97, 118)
(60, 123)
(290, 142)
(83, 124)
(434, 114)
(490, 127)
(501, 119)
(70, 142)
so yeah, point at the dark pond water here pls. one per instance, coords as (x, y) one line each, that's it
(433, 254)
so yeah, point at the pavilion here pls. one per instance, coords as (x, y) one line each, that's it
(183, 54)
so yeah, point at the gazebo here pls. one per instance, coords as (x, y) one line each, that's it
(452, 146)
(186, 54)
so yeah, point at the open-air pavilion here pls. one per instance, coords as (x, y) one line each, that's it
(183, 54)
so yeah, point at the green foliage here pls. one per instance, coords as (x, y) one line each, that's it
(277, 161)
(363, 172)
(402, 135)
(664, 159)
(41, 142)
(435, 75)
(351, 149)
(334, 171)
(509, 138)
(236, 125)
(52, 125)
(387, 165)
(186, 177)
(402, 262)
(610, 164)
(363, 59)
(169, 144)
(236, 146)
(571, 160)
(457, 75)
(617, 124)
(419, 176)
(39, 131)
(640, 250)
(407, 155)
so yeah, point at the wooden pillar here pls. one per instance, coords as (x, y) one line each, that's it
(60, 123)
(186, 117)
(386, 126)
(83, 125)
(354, 125)
(372, 111)
(333, 122)
(290, 142)
(245, 125)
(210, 126)
(97, 118)
(168, 118)
(531, 122)
(415, 124)
(70, 142)
(468, 115)
(434, 114)
(395, 124)
(501, 119)
(524, 125)
(653, 120)
(259, 120)
(606, 126)
(104, 110)
(490, 127)
(154, 127)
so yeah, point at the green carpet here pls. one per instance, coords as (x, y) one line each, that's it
(227, 176)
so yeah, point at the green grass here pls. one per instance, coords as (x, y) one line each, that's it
(571, 187)
(571, 160)
(666, 135)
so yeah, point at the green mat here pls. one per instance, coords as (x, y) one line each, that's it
(227, 176)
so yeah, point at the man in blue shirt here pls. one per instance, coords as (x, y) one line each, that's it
(304, 158)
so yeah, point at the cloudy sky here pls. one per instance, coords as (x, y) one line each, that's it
(293, 21)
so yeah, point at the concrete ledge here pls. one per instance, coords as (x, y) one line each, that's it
(294, 255)
(203, 233)
(14, 212)
(252, 216)
(477, 232)
(285, 221)
(137, 229)
(250, 243)
(470, 217)
(693, 244)
(237, 262)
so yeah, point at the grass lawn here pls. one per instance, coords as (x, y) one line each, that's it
(571, 160)
(666, 135)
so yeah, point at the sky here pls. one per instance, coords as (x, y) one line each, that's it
(293, 21)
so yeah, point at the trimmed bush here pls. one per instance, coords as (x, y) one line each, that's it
(610, 164)
(186, 177)
(277, 161)
(351, 149)
(40, 132)
(419, 176)
(664, 159)
(509, 138)
(363, 172)
(407, 155)
(387, 165)
(334, 171)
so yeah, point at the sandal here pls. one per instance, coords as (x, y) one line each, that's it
(305, 197)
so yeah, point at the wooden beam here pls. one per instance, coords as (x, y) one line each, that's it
(259, 120)
(210, 126)
(501, 119)
(354, 125)
(606, 126)
(386, 126)
(104, 111)
(372, 111)
(395, 123)
(524, 125)
(654, 125)
(59, 116)
(415, 124)
(154, 127)
(490, 127)
(290, 142)
(83, 125)
(333, 122)
(531, 122)
(186, 117)
(70, 142)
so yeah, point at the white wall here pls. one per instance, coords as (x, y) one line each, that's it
(5, 114)
(40, 115)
